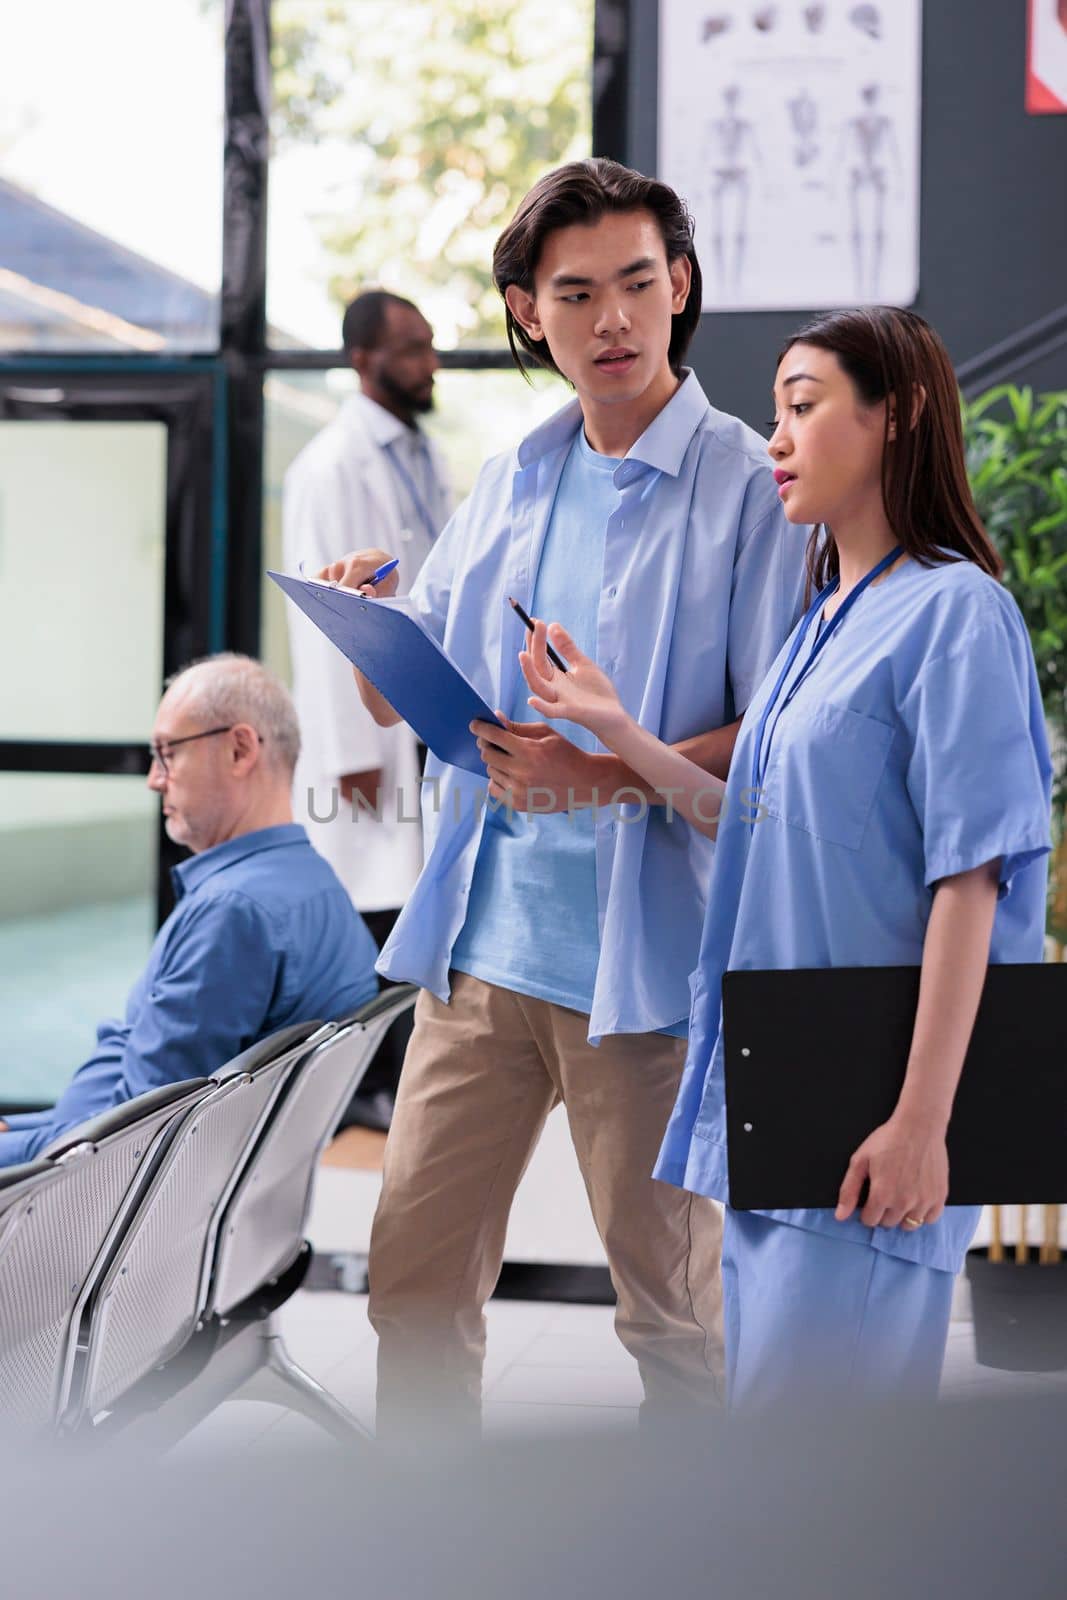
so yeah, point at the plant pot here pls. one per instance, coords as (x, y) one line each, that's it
(1020, 1313)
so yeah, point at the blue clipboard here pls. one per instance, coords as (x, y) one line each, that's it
(405, 664)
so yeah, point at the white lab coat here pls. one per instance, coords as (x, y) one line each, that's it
(341, 494)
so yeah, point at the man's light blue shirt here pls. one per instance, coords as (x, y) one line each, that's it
(915, 749)
(702, 581)
(532, 915)
(262, 935)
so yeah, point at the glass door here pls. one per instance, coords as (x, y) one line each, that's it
(108, 582)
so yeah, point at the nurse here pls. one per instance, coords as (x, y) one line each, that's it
(887, 804)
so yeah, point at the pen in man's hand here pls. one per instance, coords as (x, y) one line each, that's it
(556, 660)
(383, 572)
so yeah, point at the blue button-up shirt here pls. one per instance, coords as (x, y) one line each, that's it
(702, 582)
(263, 935)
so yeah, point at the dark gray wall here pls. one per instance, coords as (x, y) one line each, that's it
(994, 209)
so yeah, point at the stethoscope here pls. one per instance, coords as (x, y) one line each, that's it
(759, 766)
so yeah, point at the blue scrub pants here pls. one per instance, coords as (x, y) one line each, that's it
(810, 1319)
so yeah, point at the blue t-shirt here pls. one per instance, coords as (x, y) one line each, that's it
(532, 922)
(262, 935)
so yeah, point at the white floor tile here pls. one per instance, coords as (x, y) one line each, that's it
(553, 1349)
(583, 1322)
(321, 1329)
(233, 1426)
(573, 1386)
(517, 1322)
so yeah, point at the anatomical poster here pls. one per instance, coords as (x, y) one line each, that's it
(793, 131)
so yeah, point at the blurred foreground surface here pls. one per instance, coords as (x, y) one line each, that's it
(966, 1500)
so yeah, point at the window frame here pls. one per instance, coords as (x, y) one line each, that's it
(213, 403)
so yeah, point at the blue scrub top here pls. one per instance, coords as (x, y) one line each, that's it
(702, 580)
(914, 749)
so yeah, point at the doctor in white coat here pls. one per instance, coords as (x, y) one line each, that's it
(370, 477)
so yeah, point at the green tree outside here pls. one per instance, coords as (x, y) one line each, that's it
(453, 111)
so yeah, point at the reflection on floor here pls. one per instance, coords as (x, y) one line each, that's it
(550, 1368)
(59, 974)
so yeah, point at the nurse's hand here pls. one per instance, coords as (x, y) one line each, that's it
(583, 694)
(353, 570)
(905, 1163)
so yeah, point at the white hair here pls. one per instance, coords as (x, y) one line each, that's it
(229, 688)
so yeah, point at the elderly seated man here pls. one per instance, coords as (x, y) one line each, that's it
(262, 935)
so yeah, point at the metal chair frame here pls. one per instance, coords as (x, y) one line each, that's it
(367, 1025)
(68, 1164)
(106, 1294)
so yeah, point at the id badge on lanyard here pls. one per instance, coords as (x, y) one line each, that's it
(759, 765)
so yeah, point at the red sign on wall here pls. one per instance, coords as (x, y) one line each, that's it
(1046, 56)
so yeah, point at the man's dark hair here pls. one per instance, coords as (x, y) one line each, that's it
(583, 192)
(364, 318)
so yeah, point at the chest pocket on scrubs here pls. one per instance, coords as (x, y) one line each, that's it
(824, 771)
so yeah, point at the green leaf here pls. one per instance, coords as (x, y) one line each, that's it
(977, 408)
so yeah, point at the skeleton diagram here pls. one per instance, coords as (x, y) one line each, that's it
(732, 153)
(870, 154)
(804, 118)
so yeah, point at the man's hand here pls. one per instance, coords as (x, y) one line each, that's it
(4, 1127)
(352, 572)
(367, 784)
(906, 1166)
(528, 755)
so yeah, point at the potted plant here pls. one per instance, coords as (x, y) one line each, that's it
(1017, 463)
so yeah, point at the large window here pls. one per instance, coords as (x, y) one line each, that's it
(81, 568)
(111, 176)
(404, 132)
(169, 341)
(77, 864)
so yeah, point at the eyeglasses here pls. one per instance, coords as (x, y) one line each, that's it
(161, 752)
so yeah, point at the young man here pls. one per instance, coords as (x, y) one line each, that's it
(372, 467)
(554, 949)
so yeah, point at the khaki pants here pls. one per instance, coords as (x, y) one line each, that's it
(480, 1077)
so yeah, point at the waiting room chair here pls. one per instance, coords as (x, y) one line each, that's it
(261, 1255)
(263, 1227)
(149, 1300)
(59, 1217)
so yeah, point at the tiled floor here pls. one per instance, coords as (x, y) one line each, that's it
(550, 1368)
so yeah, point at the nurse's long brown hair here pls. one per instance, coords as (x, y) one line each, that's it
(927, 498)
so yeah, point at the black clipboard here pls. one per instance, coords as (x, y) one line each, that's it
(815, 1061)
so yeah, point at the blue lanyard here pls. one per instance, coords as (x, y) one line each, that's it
(421, 508)
(758, 765)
